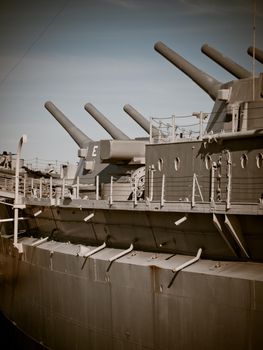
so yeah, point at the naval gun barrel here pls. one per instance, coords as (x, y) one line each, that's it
(258, 53)
(115, 133)
(78, 136)
(140, 119)
(209, 84)
(225, 62)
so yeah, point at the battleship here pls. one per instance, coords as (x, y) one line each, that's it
(155, 242)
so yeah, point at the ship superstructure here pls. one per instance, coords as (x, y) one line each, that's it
(159, 229)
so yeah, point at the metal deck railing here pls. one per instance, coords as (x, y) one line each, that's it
(159, 188)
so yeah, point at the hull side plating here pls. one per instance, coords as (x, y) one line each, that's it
(76, 304)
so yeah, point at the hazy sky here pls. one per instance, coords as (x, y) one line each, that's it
(101, 51)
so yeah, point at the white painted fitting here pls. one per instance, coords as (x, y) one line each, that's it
(11, 219)
(115, 257)
(96, 250)
(39, 241)
(87, 218)
(180, 221)
(38, 212)
(11, 205)
(19, 247)
(189, 262)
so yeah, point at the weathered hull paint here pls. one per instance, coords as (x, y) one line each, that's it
(67, 302)
(150, 230)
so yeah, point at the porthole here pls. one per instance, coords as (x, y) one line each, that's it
(160, 164)
(243, 160)
(259, 160)
(208, 162)
(177, 163)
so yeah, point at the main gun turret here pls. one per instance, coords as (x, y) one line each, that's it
(234, 100)
(140, 119)
(209, 84)
(258, 53)
(115, 133)
(225, 62)
(78, 136)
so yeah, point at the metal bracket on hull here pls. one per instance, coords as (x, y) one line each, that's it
(37, 212)
(12, 219)
(184, 265)
(180, 221)
(39, 241)
(84, 253)
(91, 252)
(234, 228)
(90, 216)
(2, 202)
(225, 235)
(121, 254)
(189, 262)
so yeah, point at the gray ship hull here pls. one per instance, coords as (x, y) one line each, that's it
(68, 302)
(152, 227)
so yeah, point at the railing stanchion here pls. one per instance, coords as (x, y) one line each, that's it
(77, 194)
(111, 190)
(162, 191)
(97, 187)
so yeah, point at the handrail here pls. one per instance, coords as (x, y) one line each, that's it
(193, 188)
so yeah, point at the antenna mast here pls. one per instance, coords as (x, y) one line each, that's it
(254, 48)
